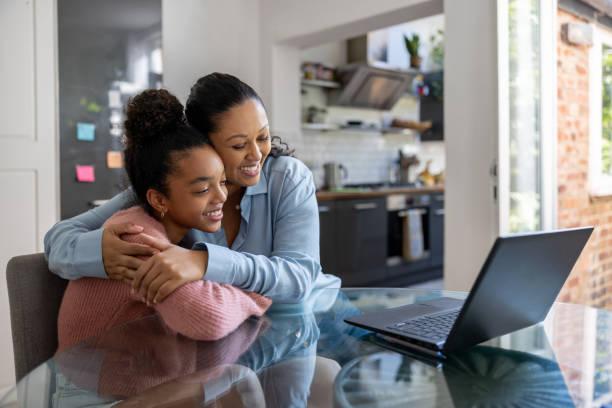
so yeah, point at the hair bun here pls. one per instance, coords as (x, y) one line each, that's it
(151, 114)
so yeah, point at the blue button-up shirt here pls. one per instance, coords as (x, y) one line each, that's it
(276, 251)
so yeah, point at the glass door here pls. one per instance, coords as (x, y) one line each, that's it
(527, 94)
(108, 51)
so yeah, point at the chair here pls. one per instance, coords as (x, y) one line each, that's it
(35, 295)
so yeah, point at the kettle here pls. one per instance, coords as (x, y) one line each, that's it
(335, 174)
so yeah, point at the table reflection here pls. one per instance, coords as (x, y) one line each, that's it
(305, 355)
(482, 377)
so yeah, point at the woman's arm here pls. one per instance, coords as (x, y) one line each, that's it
(288, 274)
(73, 247)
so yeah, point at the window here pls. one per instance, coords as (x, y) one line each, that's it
(524, 115)
(600, 159)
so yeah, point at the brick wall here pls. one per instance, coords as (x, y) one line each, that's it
(591, 280)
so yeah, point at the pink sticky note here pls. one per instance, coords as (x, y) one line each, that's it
(85, 174)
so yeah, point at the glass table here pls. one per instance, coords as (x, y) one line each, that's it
(305, 355)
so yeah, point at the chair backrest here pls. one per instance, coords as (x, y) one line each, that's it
(35, 295)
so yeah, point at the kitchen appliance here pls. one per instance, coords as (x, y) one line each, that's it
(335, 174)
(408, 228)
(364, 85)
(406, 162)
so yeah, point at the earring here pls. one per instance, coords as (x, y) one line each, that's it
(163, 212)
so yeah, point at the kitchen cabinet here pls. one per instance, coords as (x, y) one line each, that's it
(436, 235)
(432, 107)
(356, 241)
(327, 234)
(353, 239)
(361, 240)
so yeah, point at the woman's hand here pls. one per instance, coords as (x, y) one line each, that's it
(166, 271)
(120, 257)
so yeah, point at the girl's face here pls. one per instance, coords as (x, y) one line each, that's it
(196, 191)
(243, 141)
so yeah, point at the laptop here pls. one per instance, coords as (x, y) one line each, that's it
(515, 288)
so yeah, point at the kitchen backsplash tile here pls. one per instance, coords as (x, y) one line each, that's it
(368, 156)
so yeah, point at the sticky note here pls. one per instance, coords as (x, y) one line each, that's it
(114, 99)
(86, 131)
(85, 174)
(114, 160)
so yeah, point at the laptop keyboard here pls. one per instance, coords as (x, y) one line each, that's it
(434, 327)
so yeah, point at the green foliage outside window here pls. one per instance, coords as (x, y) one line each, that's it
(525, 121)
(606, 109)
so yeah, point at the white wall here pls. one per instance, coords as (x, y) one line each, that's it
(200, 37)
(28, 143)
(471, 136)
(332, 54)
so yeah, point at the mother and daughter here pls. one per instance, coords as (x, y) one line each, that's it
(219, 221)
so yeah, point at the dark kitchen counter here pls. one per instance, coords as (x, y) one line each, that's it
(357, 193)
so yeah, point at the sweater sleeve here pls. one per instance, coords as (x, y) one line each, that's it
(199, 310)
(206, 310)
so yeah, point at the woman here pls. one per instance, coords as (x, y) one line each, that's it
(179, 181)
(269, 241)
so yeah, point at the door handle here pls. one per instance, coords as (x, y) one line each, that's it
(439, 212)
(323, 209)
(365, 206)
(404, 213)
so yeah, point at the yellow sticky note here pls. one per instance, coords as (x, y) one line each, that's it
(114, 160)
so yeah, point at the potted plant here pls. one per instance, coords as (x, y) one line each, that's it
(436, 57)
(412, 46)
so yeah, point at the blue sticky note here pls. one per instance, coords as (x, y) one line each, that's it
(86, 132)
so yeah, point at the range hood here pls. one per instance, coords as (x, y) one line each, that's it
(364, 85)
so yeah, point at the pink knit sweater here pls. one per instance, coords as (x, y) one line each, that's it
(200, 310)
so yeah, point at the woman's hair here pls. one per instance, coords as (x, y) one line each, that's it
(216, 93)
(155, 128)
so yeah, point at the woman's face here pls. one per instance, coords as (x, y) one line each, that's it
(243, 141)
(196, 190)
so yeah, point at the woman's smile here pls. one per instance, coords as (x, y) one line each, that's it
(251, 170)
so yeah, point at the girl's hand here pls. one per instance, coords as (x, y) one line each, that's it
(120, 257)
(166, 271)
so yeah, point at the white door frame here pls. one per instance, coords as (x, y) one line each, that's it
(28, 142)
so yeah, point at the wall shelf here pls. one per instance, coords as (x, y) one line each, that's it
(328, 127)
(320, 83)
(324, 127)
